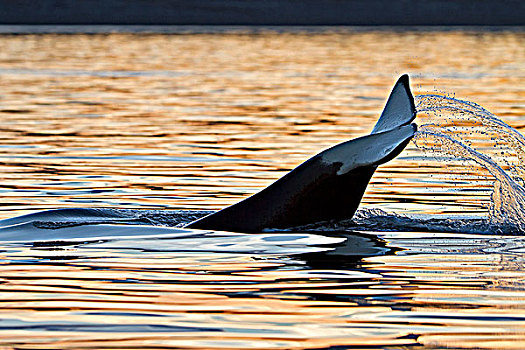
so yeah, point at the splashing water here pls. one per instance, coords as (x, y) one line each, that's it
(466, 130)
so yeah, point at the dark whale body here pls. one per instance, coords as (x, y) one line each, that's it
(328, 186)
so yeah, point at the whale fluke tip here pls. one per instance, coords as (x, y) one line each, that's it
(400, 108)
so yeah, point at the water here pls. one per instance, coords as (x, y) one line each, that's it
(195, 122)
(467, 131)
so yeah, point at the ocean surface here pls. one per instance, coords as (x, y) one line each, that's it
(168, 127)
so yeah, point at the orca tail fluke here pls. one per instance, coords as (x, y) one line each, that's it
(328, 186)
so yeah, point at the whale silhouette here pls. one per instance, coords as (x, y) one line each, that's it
(328, 186)
(331, 184)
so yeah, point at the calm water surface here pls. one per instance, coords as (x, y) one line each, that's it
(199, 121)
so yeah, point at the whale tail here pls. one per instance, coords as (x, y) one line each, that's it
(329, 185)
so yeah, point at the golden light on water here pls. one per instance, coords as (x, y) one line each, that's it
(199, 121)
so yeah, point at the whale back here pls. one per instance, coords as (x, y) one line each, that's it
(328, 186)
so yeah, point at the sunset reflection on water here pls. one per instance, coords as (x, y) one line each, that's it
(199, 121)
